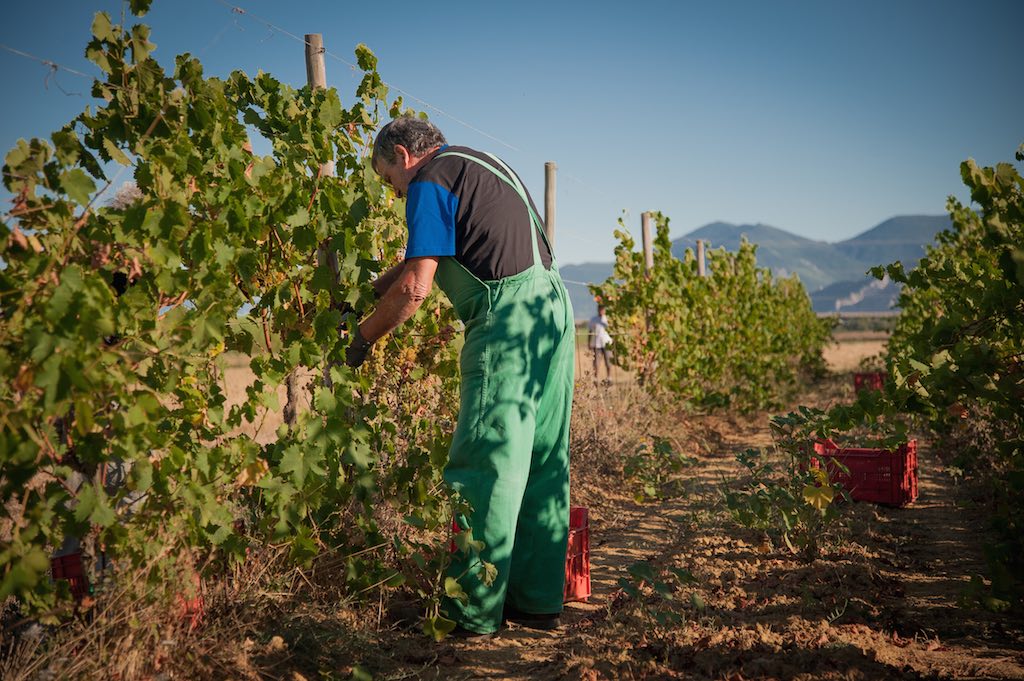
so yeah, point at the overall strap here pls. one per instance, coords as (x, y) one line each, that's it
(517, 186)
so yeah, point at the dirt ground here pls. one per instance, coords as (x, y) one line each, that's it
(883, 604)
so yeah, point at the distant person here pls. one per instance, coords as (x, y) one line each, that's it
(599, 340)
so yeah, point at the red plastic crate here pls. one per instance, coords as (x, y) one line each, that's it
(69, 567)
(577, 558)
(577, 554)
(877, 475)
(872, 380)
(452, 548)
(192, 609)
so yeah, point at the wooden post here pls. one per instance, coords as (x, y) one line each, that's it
(648, 244)
(316, 77)
(316, 71)
(549, 203)
(645, 227)
(701, 270)
(291, 384)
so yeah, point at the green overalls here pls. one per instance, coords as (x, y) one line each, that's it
(510, 453)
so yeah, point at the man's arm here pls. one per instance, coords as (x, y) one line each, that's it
(382, 283)
(410, 286)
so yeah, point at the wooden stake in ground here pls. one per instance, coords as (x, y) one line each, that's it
(316, 77)
(701, 269)
(648, 244)
(549, 204)
(645, 227)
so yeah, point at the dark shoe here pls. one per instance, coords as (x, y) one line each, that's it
(468, 635)
(545, 621)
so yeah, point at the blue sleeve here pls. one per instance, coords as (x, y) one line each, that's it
(430, 212)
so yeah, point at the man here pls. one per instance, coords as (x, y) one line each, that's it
(474, 228)
(600, 339)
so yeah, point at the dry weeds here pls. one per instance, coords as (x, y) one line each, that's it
(880, 605)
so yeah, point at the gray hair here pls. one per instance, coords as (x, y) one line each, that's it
(415, 134)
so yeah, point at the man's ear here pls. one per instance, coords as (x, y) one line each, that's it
(403, 156)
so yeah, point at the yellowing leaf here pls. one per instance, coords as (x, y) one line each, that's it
(251, 474)
(84, 419)
(488, 573)
(102, 27)
(454, 590)
(819, 497)
(438, 627)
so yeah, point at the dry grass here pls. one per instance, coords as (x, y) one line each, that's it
(261, 619)
(763, 614)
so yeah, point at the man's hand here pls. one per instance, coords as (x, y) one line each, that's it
(357, 350)
(410, 285)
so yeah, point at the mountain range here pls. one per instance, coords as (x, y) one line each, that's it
(834, 274)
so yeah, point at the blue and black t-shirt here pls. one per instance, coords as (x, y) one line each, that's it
(456, 207)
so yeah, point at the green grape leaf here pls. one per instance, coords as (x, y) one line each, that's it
(115, 153)
(77, 185)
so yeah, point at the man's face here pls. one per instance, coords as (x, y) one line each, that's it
(398, 173)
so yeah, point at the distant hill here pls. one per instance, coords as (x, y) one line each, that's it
(835, 275)
(901, 238)
(817, 262)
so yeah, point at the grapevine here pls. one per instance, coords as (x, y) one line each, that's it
(736, 337)
(116, 321)
(954, 362)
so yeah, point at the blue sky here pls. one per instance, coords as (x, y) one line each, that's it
(823, 118)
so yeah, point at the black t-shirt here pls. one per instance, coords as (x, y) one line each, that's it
(456, 207)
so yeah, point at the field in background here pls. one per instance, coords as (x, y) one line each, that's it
(849, 349)
(866, 321)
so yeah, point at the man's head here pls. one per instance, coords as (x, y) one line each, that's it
(600, 310)
(401, 146)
